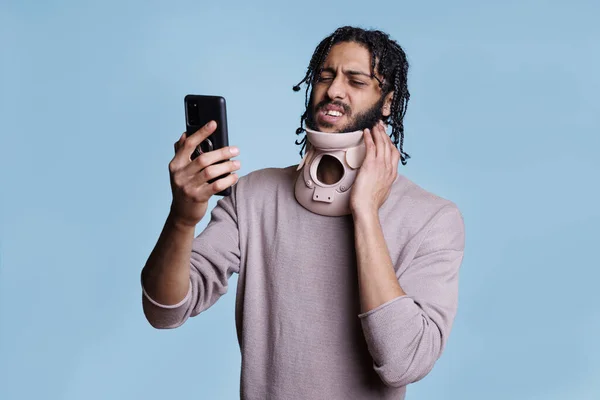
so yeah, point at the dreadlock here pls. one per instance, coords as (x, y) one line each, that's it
(391, 63)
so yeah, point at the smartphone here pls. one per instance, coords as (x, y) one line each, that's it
(200, 110)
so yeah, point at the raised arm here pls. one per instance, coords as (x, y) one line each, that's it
(166, 276)
(408, 306)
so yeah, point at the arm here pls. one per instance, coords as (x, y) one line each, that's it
(166, 275)
(377, 280)
(407, 310)
(376, 277)
(406, 333)
(185, 276)
(172, 288)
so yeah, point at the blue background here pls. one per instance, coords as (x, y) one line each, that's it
(503, 120)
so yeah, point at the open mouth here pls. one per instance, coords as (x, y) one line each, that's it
(333, 113)
(330, 115)
(329, 118)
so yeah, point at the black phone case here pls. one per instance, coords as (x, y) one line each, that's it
(199, 110)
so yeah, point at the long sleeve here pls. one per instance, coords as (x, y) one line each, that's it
(215, 257)
(407, 335)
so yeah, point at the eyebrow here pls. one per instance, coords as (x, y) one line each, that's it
(348, 72)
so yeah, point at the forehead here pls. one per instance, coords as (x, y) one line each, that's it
(350, 55)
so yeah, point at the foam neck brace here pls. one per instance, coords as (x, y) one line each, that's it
(334, 199)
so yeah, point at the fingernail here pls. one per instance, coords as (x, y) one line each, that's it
(236, 163)
(210, 124)
(234, 150)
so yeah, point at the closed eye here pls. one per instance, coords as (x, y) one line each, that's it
(324, 79)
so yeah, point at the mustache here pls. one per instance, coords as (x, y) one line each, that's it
(325, 103)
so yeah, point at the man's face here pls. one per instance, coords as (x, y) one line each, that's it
(344, 97)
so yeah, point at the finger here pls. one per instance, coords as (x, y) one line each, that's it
(392, 154)
(193, 140)
(206, 190)
(223, 183)
(176, 162)
(214, 171)
(369, 144)
(384, 128)
(379, 144)
(386, 144)
(395, 157)
(212, 157)
(395, 153)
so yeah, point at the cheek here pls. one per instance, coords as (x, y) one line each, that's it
(360, 105)
(367, 101)
(318, 95)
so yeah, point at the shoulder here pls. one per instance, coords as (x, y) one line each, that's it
(417, 207)
(266, 179)
(268, 176)
(262, 185)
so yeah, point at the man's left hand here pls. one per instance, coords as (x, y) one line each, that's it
(378, 172)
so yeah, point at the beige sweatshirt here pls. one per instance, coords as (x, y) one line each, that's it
(298, 320)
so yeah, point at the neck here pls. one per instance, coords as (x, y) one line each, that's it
(329, 170)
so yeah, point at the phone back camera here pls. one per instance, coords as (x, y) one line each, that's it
(193, 114)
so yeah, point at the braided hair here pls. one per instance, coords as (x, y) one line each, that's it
(391, 63)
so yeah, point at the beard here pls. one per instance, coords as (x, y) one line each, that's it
(366, 119)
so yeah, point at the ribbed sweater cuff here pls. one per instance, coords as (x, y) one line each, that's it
(165, 306)
(385, 327)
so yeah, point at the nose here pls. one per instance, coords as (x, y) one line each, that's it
(337, 89)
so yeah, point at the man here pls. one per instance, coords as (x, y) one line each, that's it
(354, 301)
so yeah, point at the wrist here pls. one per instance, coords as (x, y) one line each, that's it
(180, 224)
(365, 215)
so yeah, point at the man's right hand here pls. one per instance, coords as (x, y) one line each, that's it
(189, 178)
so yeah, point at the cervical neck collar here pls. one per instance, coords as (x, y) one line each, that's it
(318, 197)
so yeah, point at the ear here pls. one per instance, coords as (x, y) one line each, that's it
(386, 110)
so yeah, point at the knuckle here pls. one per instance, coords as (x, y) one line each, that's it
(223, 183)
(177, 179)
(198, 196)
(217, 186)
(189, 143)
(206, 173)
(188, 146)
(188, 191)
(201, 161)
